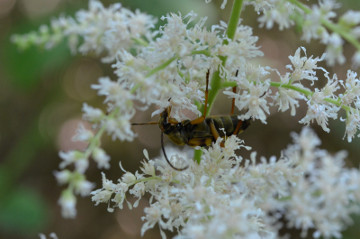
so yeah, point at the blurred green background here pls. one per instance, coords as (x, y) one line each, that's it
(41, 95)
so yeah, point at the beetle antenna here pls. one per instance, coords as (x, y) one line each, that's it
(148, 123)
(167, 160)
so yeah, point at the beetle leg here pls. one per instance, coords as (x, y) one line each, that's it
(198, 120)
(238, 127)
(233, 100)
(206, 93)
(169, 119)
(239, 124)
(202, 118)
(172, 121)
(214, 132)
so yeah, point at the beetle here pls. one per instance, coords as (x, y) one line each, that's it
(202, 131)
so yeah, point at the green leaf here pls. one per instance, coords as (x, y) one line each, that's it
(24, 68)
(23, 211)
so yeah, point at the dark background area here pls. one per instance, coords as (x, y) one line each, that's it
(41, 95)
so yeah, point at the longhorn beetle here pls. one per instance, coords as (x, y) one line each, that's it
(202, 131)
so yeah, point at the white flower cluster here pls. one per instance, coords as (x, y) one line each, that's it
(222, 195)
(162, 68)
(253, 89)
(274, 12)
(226, 196)
(183, 54)
(102, 30)
(255, 96)
(315, 22)
(323, 103)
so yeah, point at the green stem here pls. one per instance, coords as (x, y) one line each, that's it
(145, 180)
(215, 83)
(162, 66)
(151, 178)
(228, 84)
(309, 93)
(234, 20)
(197, 155)
(305, 92)
(303, 7)
(201, 52)
(215, 86)
(95, 142)
(153, 71)
(140, 41)
(342, 32)
(284, 199)
(231, 30)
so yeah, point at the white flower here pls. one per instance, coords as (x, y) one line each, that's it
(81, 165)
(108, 29)
(148, 168)
(92, 114)
(51, 236)
(82, 186)
(82, 134)
(223, 4)
(120, 190)
(321, 113)
(101, 158)
(147, 165)
(120, 127)
(252, 99)
(225, 195)
(356, 59)
(352, 88)
(101, 30)
(287, 98)
(334, 50)
(280, 13)
(352, 124)
(104, 194)
(324, 191)
(138, 191)
(115, 94)
(67, 202)
(312, 28)
(63, 176)
(70, 157)
(241, 48)
(128, 178)
(351, 17)
(304, 67)
(152, 216)
(328, 91)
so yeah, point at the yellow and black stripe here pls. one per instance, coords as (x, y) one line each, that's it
(205, 132)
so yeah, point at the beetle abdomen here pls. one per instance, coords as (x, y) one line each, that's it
(201, 135)
(227, 125)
